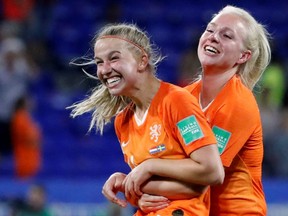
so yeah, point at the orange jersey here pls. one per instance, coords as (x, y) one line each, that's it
(174, 127)
(235, 120)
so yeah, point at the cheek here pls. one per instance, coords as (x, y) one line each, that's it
(233, 53)
(200, 52)
(201, 43)
(205, 35)
(118, 66)
(127, 68)
(98, 73)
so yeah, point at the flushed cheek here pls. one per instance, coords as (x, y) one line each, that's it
(99, 74)
(203, 38)
(118, 67)
(201, 45)
(201, 54)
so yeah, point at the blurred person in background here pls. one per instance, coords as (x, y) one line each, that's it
(19, 13)
(273, 85)
(26, 140)
(271, 101)
(189, 66)
(278, 150)
(150, 125)
(16, 73)
(34, 204)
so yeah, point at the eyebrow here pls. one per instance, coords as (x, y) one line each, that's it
(224, 28)
(109, 54)
(211, 23)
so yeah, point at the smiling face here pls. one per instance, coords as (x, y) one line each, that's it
(221, 45)
(117, 67)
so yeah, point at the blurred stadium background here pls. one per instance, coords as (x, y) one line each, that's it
(75, 163)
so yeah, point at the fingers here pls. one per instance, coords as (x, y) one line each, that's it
(137, 190)
(108, 191)
(129, 190)
(148, 209)
(111, 187)
(111, 196)
(148, 203)
(132, 188)
(120, 202)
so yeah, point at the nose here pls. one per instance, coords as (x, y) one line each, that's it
(105, 68)
(214, 37)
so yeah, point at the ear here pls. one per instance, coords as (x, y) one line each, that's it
(245, 56)
(143, 62)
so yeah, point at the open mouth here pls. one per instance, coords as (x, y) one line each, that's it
(211, 49)
(112, 81)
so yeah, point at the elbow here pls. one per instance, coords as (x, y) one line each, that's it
(217, 175)
(214, 174)
(219, 180)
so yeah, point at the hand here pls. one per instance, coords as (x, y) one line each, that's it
(148, 203)
(136, 178)
(112, 186)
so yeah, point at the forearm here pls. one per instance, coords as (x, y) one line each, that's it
(172, 189)
(204, 167)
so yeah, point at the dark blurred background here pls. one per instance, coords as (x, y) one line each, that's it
(38, 40)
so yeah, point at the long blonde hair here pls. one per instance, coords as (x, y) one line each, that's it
(101, 103)
(257, 41)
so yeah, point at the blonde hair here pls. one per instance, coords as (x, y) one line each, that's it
(257, 41)
(101, 103)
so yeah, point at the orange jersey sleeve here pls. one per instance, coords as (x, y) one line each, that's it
(174, 127)
(235, 120)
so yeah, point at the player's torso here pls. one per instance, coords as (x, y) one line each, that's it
(150, 139)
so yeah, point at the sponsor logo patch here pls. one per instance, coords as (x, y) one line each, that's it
(190, 129)
(222, 137)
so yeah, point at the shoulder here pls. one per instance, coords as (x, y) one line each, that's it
(237, 99)
(176, 94)
(123, 115)
(241, 95)
(191, 87)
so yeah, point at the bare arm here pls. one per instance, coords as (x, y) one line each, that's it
(171, 189)
(204, 167)
(159, 191)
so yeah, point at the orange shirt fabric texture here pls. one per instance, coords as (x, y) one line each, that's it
(234, 117)
(26, 138)
(173, 128)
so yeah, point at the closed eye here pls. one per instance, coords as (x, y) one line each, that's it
(227, 36)
(114, 58)
(98, 62)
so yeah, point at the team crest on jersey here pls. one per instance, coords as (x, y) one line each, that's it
(155, 132)
(222, 137)
(157, 149)
(190, 129)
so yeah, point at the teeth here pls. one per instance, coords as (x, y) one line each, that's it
(112, 80)
(211, 49)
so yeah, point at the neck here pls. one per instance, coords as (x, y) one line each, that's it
(212, 83)
(145, 94)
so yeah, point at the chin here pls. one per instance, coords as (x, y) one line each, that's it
(115, 92)
(208, 62)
